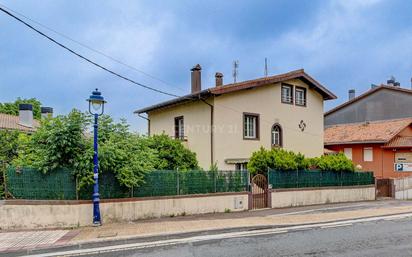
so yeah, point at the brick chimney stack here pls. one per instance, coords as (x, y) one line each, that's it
(196, 78)
(219, 79)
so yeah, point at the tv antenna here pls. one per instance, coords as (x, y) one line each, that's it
(235, 71)
(266, 67)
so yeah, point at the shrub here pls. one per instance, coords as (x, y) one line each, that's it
(338, 162)
(278, 159)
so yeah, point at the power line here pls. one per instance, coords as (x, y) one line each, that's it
(90, 48)
(85, 58)
(236, 64)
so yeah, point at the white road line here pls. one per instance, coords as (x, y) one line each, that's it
(320, 209)
(337, 226)
(143, 245)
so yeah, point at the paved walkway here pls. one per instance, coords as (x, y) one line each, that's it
(12, 241)
(270, 217)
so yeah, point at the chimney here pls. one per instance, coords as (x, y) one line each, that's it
(397, 84)
(351, 94)
(26, 115)
(46, 112)
(373, 86)
(391, 81)
(411, 83)
(219, 79)
(196, 78)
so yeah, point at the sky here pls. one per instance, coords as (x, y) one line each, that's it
(342, 44)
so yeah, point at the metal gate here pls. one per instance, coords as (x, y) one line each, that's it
(384, 188)
(259, 192)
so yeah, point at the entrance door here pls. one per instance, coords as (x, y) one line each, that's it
(259, 192)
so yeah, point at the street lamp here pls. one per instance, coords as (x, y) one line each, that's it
(96, 108)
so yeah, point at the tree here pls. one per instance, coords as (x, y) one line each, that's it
(8, 151)
(62, 142)
(171, 154)
(13, 108)
(59, 142)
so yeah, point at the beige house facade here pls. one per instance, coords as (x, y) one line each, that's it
(225, 124)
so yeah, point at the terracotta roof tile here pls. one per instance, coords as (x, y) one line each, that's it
(8, 121)
(372, 132)
(229, 88)
(399, 142)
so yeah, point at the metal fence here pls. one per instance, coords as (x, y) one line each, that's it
(316, 178)
(61, 184)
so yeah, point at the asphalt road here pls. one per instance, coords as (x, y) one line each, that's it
(378, 238)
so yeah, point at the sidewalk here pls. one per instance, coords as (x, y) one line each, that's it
(269, 217)
(201, 223)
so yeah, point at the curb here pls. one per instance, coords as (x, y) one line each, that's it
(143, 239)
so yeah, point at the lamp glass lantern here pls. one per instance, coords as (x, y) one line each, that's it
(96, 103)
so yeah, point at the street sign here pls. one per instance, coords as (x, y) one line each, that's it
(403, 167)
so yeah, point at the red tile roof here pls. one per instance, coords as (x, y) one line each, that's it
(8, 121)
(229, 88)
(369, 132)
(399, 142)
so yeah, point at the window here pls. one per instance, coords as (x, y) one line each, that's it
(250, 126)
(367, 154)
(287, 94)
(300, 96)
(241, 166)
(276, 136)
(348, 153)
(179, 128)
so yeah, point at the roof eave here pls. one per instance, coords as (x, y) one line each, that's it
(355, 142)
(175, 101)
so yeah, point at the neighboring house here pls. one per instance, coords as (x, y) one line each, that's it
(382, 102)
(226, 123)
(24, 122)
(383, 147)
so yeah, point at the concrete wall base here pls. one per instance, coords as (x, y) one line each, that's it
(312, 196)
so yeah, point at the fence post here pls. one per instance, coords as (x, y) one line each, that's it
(214, 179)
(6, 193)
(341, 178)
(321, 179)
(131, 193)
(77, 187)
(297, 178)
(177, 181)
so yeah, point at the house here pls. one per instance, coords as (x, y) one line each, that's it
(384, 147)
(24, 122)
(384, 102)
(226, 123)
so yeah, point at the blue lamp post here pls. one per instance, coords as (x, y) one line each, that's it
(96, 108)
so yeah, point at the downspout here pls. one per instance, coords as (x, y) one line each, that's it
(211, 130)
(148, 123)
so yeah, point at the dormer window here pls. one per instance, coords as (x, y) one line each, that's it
(287, 94)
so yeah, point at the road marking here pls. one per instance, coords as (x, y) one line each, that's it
(319, 209)
(169, 242)
(337, 226)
